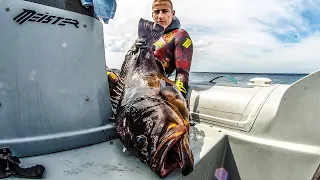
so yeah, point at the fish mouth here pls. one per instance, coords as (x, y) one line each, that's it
(174, 152)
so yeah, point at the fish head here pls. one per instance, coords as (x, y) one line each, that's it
(173, 150)
(165, 125)
(173, 147)
(160, 135)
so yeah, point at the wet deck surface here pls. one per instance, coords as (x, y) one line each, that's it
(108, 161)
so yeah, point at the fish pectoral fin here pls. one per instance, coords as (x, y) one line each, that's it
(172, 125)
(166, 88)
(174, 97)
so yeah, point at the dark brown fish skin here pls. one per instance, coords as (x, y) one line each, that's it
(151, 114)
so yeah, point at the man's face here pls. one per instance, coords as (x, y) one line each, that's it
(162, 13)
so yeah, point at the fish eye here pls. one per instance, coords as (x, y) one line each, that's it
(141, 139)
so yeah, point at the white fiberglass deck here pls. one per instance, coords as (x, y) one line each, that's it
(108, 161)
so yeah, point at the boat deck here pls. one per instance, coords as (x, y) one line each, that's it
(108, 161)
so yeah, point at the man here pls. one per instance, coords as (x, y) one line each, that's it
(174, 50)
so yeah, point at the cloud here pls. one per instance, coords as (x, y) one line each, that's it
(232, 36)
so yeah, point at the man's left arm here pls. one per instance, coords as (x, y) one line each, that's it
(183, 57)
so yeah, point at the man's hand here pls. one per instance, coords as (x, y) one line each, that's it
(141, 43)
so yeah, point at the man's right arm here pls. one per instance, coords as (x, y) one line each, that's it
(183, 58)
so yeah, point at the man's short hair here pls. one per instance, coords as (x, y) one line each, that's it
(155, 1)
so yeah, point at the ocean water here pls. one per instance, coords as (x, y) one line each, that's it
(244, 77)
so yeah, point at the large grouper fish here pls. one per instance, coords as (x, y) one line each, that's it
(151, 115)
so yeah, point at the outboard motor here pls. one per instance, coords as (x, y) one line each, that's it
(54, 91)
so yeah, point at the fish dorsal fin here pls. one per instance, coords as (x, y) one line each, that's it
(119, 86)
(118, 91)
(129, 59)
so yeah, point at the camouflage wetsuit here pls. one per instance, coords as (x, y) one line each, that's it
(174, 49)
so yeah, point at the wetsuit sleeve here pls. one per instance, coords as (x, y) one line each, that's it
(183, 58)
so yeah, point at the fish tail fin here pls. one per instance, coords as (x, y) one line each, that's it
(149, 30)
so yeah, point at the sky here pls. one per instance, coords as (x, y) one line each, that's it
(262, 36)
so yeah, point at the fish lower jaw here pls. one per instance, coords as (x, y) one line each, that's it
(172, 161)
(169, 164)
(166, 171)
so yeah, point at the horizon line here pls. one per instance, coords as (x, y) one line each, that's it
(249, 72)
